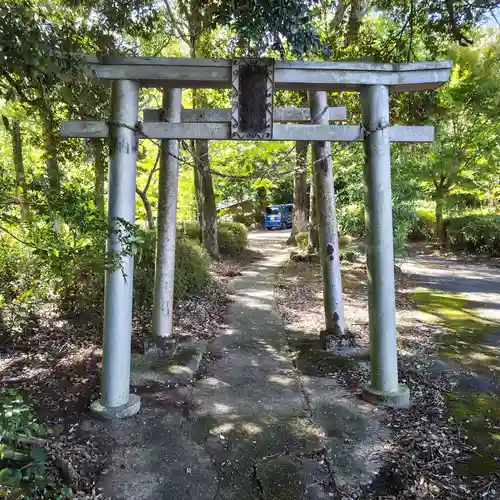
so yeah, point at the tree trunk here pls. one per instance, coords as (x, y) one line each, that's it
(17, 156)
(50, 143)
(440, 230)
(313, 240)
(198, 193)
(209, 211)
(100, 174)
(299, 222)
(147, 207)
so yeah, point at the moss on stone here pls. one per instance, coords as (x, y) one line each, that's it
(465, 331)
(465, 340)
(478, 413)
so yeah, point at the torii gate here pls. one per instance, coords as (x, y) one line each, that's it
(252, 117)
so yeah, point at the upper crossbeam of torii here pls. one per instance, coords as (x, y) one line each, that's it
(252, 116)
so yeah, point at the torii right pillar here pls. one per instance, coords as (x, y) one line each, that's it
(384, 388)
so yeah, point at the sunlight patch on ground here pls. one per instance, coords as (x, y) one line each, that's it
(278, 379)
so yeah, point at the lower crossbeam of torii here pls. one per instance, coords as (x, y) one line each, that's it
(253, 82)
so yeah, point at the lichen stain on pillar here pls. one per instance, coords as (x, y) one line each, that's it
(120, 145)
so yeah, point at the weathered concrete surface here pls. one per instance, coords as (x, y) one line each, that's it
(180, 369)
(253, 427)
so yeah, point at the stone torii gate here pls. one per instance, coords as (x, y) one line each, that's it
(253, 82)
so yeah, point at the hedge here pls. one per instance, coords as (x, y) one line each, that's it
(423, 226)
(232, 237)
(302, 240)
(474, 233)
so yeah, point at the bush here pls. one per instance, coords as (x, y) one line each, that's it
(351, 220)
(423, 227)
(344, 240)
(192, 270)
(31, 475)
(191, 230)
(475, 233)
(232, 238)
(302, 240)
(246, 219)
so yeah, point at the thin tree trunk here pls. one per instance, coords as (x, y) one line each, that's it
(147, 207)
(209, 212)
(440, 231)
(17, 156)
(198, 193)
(50, 142)
(100, 174)
(299, 222)
(313, 240)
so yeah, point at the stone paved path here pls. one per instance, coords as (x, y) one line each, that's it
(252, 427)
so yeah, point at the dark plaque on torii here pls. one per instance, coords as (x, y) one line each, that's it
(252, 99)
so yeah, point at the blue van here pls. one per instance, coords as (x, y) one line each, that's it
(279, 216)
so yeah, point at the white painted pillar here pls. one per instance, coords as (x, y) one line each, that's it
(167, 212)
(327, 221)
(115, 401)
(384, 388)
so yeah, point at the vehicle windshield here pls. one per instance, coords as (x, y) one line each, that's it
(272, 210)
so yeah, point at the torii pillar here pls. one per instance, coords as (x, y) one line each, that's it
(384, 388)
(115, 400)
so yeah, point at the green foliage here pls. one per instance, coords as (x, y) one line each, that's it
(423, 227)
(26, 472)
(302, 240)
(282, 193)
(351, 220)
(23, 283)
(192, 270)
(246, 219)
(232, 238)
(475, 233)
(190, 230)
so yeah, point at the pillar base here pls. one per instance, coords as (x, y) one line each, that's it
(97, 410)
(397, 399)
(160, 347)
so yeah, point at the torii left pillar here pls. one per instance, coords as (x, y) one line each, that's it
(162, 342)
(116, 401)
(327, 224)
